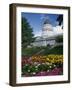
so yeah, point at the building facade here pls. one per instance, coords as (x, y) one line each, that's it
(49, 34)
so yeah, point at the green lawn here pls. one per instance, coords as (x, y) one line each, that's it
(55, 50)
(46, 50)
(30, 51)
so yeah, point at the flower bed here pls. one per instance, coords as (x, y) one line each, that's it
(42, 65)
(49, 58)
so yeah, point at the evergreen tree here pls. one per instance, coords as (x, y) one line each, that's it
(27, 33)
(59, 39)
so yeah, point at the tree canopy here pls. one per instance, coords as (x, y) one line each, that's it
(59, 39)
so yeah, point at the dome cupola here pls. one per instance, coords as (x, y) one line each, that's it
(47, 28)
(47, 21)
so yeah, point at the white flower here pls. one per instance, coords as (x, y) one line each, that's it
(43, 63)
(26, 64)
(33, 73)
(50, 66)
(47, 63)
(47, 70)
(36, 66)
(28, 70)
(54, 65)
(35, 63)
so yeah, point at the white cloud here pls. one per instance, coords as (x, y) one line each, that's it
(38, 33)
(57, 30)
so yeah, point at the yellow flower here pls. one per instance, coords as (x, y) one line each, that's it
(48, 58)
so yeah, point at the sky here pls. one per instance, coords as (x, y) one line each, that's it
(36, 19)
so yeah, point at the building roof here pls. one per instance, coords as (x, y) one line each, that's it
(40, 38)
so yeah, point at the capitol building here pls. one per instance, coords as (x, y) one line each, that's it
(48, 35)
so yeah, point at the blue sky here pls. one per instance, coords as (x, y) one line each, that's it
(36, 19)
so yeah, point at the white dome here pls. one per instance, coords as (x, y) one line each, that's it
(47, 27)
(47, 30)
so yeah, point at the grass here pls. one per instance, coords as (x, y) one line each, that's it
(46, 50)
(56, 50)
(30, 51)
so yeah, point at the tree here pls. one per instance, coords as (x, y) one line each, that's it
(59, 39)
(60, 19)
(27, 33)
